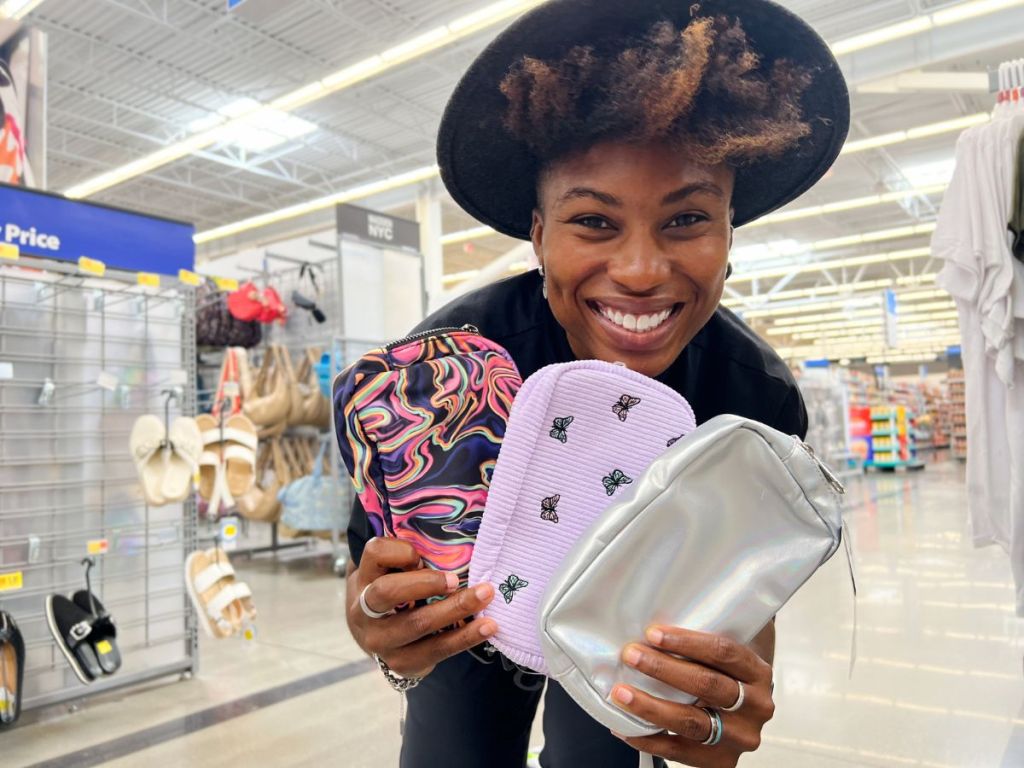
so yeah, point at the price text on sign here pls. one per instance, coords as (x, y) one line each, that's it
(11, 581)
(92, 266)
(149, 280)
(226, 283)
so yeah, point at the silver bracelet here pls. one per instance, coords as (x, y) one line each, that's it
(399, 683)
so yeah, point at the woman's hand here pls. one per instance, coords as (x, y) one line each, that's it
(411, 642)
(710, 668)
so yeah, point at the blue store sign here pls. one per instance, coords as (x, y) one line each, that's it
(54, 227)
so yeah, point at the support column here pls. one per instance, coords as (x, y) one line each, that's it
(428, 214)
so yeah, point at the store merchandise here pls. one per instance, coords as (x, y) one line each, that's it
(892, 438)
(250, 303)
(166, 460)
(273, 472)
(223, 604)
(777, 518)
(103, 636)
(315, 501)
(233, 382)
(227, 466)
(269, 403)
(987, 282)
(578, 435)
(419, 424)
(70, 627)
(312, 407)
(216, 326)
(12, 669)
(958, 413)
(302, 302)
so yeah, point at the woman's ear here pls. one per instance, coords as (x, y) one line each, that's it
(537, 234)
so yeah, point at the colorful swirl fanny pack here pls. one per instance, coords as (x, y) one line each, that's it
(419, 424)
(580, 434)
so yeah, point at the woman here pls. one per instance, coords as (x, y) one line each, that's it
(625, 140)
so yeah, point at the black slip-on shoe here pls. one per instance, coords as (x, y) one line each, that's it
(103, 637)
(12, 669)
(71, 627)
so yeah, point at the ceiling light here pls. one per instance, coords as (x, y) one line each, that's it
(820, 266)
(344, 78)
(846, 205)
(258, 129)
(920, 132)
(345, 196)
(467, 235)
(883, 35)
(848, 289)
(910, 319)
(18, 9)
(873, 237)
(970, 10)
(850, 302)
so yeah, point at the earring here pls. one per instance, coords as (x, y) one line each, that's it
(728, 270)
(544, 281)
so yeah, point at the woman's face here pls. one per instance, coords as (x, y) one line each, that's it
(634, 241)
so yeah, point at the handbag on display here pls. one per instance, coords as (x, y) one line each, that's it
(216, 326)
(260, 503)
(245, 304)
(314, 408)
(233, 383)
(273, 309)
(269, 403)
(579, 435)
(302, 301)
(316, 501)
(419, 425)
(716, 536)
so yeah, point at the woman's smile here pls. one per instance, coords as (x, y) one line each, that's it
(635, 326)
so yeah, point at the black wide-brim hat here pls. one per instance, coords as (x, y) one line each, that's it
(493, 175)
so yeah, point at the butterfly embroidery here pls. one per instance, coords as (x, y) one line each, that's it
(673, 441)
(510, 586)
(549, 509)
(558, 428)
(615, 480)
(622, 407)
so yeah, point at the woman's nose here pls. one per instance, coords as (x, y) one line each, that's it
(641, 266)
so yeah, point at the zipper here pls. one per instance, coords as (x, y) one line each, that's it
(430, 334)
(831, 478)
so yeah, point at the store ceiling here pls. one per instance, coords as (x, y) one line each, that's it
(128, 77)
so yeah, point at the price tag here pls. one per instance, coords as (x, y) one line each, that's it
(9, 251)
(226, 283)
(91, 266)
(231, 389)
(228, 534)
(149, 280)
(178, 377)
(103, 647)
(189, 278)
(249, 632)
(97, 547)
(107, 381)
(6, 371)
(10, 582)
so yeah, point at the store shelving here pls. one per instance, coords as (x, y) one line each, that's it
(893, 443)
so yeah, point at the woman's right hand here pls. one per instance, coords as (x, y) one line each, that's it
(411, 642)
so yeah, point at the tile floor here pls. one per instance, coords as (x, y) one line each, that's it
(939, 678)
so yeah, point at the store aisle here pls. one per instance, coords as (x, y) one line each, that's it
(938, 680)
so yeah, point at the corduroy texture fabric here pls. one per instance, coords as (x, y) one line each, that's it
(493, 176)
(578, 434)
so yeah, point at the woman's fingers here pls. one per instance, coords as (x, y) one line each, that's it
(716, 651)
(381, 556)
(687, 721)
(419, 658)
(394, 589)
(709, 685)
(407, 627)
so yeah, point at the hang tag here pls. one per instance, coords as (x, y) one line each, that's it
(11, 582)
(148, 280)
(178, 377)
(97, 547)
(228, 534)
(9, 251)
(107, 381)
(6, 371)
(124, 396)
(34, 545)
(231, 389)
(226, 283)
(103, 647)
(91, 266)
(248, 631)
(189, 278)
(46, 394)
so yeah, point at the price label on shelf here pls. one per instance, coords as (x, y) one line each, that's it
(228, 533)
(149, 280)
(226, 283)
(9, 251)
(189, 278)
(10, 582)
(91, 266)
(97, 547)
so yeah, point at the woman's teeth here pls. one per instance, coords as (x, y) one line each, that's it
(635, 323)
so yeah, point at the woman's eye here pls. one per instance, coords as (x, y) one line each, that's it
(687, 220)
(592, 222)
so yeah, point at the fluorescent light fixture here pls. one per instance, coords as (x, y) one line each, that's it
(853, 302)
(405, 51)
(458, 277)
(820, 266)
(18, 9)
(846, 289)
(345, 196)
(965, 11)
(809, 318)
(846, 205)
(910, 319)
(920, 132)
(928, 174)
(883, 35)
(466, 235)
(873, 237)
(257, 129)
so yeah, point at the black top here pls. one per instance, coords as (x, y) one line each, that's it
(727, 368)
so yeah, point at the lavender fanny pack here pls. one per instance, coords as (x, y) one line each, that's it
(578, 434)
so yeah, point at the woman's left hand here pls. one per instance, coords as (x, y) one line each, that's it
(711, 669)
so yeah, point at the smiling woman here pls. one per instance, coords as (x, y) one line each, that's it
(625, 140)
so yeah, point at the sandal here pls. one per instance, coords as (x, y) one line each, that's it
(146, 444)
(12, 669)
(221, 602)
(71, 627)
(103, 637)
(183, 460)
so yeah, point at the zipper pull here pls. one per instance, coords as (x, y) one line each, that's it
(471, 329)
(831, 478)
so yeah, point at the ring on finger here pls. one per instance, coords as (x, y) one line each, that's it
(368, 610)
(739, 699)
(716, 727)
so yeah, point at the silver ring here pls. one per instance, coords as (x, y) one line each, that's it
(739, 699)
(716, 727)
(367, 609)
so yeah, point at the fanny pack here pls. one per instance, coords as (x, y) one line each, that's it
(716, 536)
(419, 425)
(579, 435)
